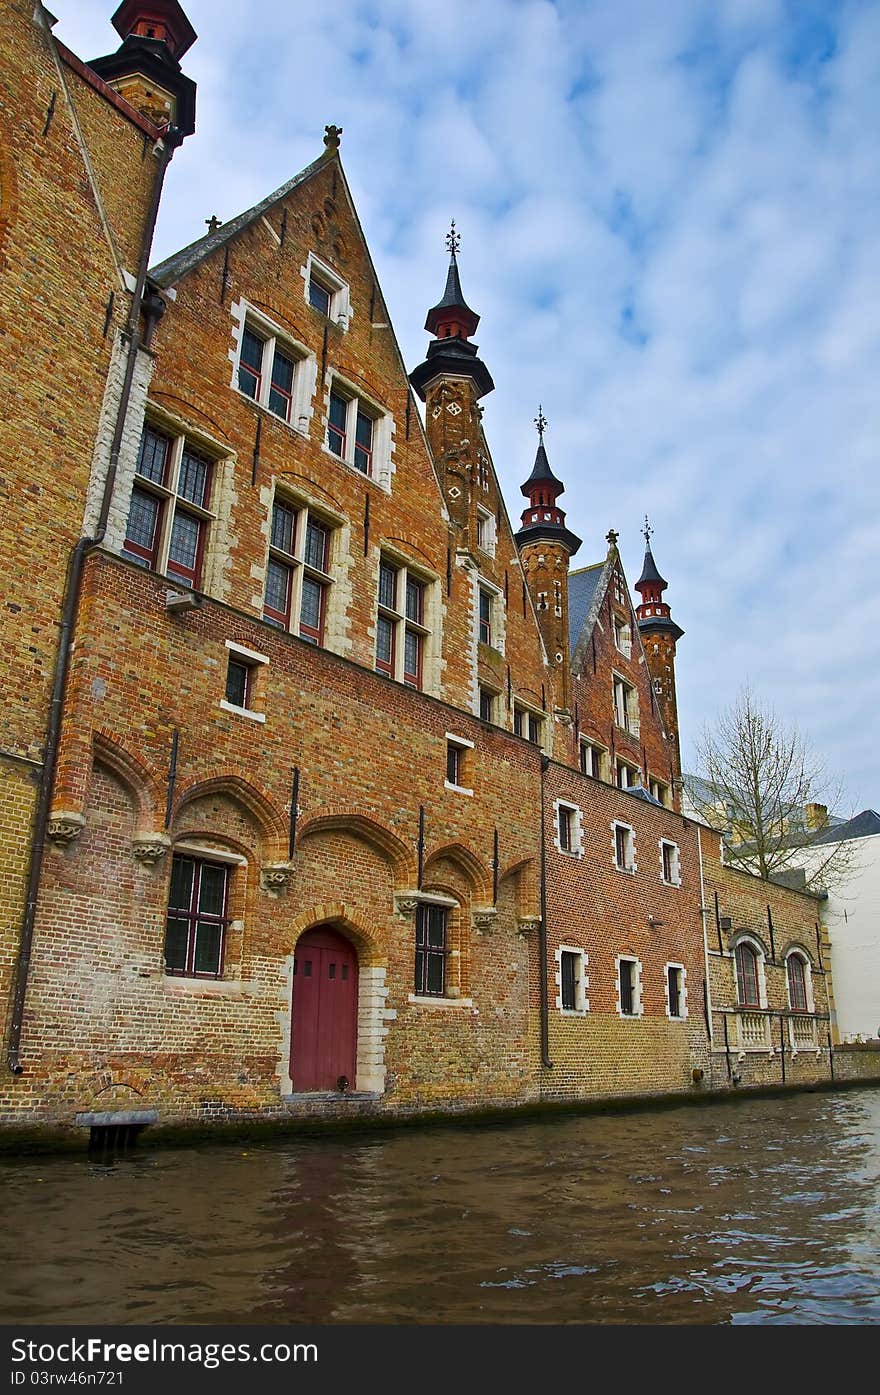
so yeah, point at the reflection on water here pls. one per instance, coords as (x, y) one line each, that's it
(763, 1211)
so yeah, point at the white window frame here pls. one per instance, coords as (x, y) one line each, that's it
(486, 530)
(622, 632)
(598, 757)
(497, 625)
(462, 745)
(796, 952)
(625, 703)
(675, 879)
(253, 661)
(577, 828)
(682, 991)
(619, 588)
(305, 371)
(632, 867)
(340, 310)
(660, 791)
(381, 467)
(755, 945)
(621, 764)
(400, 622)
(522, 708)
(638, 1006)
(299, 567)
(581, 982)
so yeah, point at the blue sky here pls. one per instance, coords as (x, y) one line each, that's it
(670, 220)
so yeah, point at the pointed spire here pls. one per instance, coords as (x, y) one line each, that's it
(452, 316)
(650, 575)
(542, 486)
(542, 489)
(452, 322)
(653, 612)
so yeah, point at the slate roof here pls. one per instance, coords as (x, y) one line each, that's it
(863, 825)
(581, 591)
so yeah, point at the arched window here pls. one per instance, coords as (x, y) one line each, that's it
(797, 983)
(748, 990)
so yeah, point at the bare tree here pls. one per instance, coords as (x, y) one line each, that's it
(758, 778)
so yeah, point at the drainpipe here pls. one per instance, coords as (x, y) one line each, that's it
(704, 912)
(542, 932)
(170, 140)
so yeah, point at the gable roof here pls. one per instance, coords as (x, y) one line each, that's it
(583, 586)
(863, 825)
(180, 263)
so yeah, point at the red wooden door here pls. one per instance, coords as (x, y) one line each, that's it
(323, 1043)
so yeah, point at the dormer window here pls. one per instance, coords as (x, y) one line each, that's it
(326, 292)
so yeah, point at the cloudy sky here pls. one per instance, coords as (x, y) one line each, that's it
(669, 222)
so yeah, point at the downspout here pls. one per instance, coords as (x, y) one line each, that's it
(704, 911)
(542, 931)
(170, 140)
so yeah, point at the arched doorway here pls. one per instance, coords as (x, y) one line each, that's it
(323, 1041)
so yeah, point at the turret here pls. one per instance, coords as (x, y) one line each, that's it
(546, 547)
(450, 381)
(145, 69)
(660, 634)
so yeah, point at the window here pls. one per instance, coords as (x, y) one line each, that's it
(354, 429)
(569, 828)
(169, 516)
(242, 677)
(487, 705)
(619, 589)
(629, 987)
(622, 637)
(659, 791)
(527, 724)
(747, 977)
(485, 531)
(626, 776)
(431, 924)
(797, 971)
(670, 863)
(626, 705)
(486, 605)
(297, 575)
(676, 1001)
(325, 292)
(270, 371)
(624, 847)
(196, 923)
(593, 760)
(458, 763)
(401, 633)
(571, 980)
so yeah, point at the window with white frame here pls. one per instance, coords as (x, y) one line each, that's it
(629, 986)
(626, 705)
(798, 973)
(274, 371)
(459, 763)
(358, 432)
(676, 991)
(170, 510)
(402, 633)
(572, 981)
(626, 776)
(485, 530)
(528, 724)
(624, 847)
(670, 862)
(488, 700)
(569, 828)
(751, 989)
(619, 589)
(622, 636)
(660, 792)
(326, 292)
(242, 691)
(298, 572)
(593, 759)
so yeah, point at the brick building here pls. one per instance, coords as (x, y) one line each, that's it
(325, 791)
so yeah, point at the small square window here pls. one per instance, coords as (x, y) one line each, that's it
(326, 292)
(487, 705)
(320, 297)
(238, 683)
(242, 681)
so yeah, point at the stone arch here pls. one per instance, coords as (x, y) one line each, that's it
(474, 871)
(798, 947)
(137, 778)
(372, 992)
(377, 835)
(270, 824)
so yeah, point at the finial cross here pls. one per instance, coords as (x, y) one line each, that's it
(611, 537)
(540, 423)
(331, 137)
(213, 223)
(453, 239)
(647, 531)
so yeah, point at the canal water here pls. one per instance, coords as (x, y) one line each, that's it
(757, 1211)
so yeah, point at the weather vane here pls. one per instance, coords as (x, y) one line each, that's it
(540, 422)
(647, 531)
(453, 239)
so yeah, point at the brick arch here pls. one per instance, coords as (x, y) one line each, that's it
(377, 835)
(405, 543)
(138, 779)
(474, 871)
(340, 916)
(750, 936)
(272, 827)
(797, 947)
(522, 874)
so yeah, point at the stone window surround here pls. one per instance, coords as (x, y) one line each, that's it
(465, 747)
(431, 617)
(600, 757)
(247, 316)
(255, 662)
(334, 523)
(744, 937)
(675, 880)
(682, 990)
(453, 999)
(582, 981)
(638, 1006)
(633, 867)
(797, 952)
(187, 984)
(577, 828)
(341, 311)
(383, 429)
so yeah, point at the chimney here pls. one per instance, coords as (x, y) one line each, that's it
(816, 816)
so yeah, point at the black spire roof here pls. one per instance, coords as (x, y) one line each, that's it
(541, 473)
(452, 299)
(650, 572)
